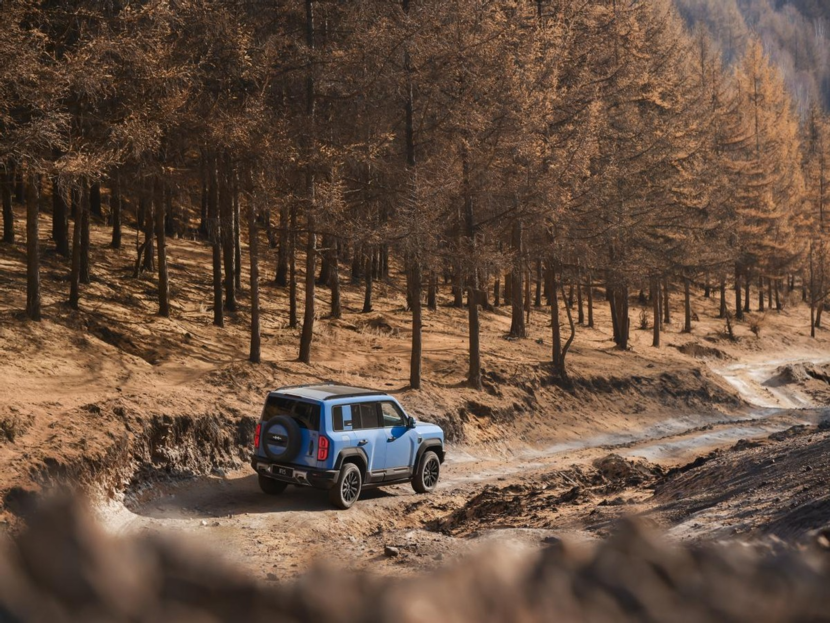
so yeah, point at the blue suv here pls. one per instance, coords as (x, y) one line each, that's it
(343, 439)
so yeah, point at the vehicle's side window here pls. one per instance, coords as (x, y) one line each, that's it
(392, 415)
(337, 418)
(365, 415)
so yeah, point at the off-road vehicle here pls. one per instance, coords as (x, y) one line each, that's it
(343, 439)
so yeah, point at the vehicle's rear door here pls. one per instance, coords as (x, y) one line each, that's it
(307, 416)
(369, 433)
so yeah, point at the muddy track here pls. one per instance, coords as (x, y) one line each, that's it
(290, 532)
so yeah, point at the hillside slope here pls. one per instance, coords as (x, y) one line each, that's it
(112, 393)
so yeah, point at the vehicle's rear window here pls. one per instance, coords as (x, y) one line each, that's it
(306, 414)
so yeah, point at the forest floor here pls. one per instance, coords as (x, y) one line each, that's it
(156, 416)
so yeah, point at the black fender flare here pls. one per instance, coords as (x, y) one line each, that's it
(429, 444)
(346, 453)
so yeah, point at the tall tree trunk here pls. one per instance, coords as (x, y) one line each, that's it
(60, 226)
(169, 215)
(359, 262)
(95, 200)
(812, 295)
(474, 370)
(517, 326)
(85, 276)
(237, 239)
(370, 275)
(417, 343)
(619, 311)
(527, 306)
(253, 249)
(161, 245)
(228, 246)
(666, 302)
(590, 289)
(334, 280)
(739, 309)
(722, 312)
(325, 267)
(656, 302)
(555, 326)
(292, 270)
(580, 312)
(760, 293)
(769, 293)
(19, 185)
(537, 299)
(432, 291)
(149, 230)
(8, 213)
(383, 261)
(457, 286)
(497, 290)
(687, 297)
(32, 251)
(307, 334)
(75, 274)
(281, 278)
(707, 288)
(508, 289)
(747, 281)
(777, 296)
(116, 205)
(204, 214)
(214, 231)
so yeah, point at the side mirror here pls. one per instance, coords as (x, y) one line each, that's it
(410, 422)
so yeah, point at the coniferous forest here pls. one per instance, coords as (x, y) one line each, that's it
(514, 150)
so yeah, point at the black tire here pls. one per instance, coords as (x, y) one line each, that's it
(346, 490)
(271, 486)
(288, 445)
(427, 472)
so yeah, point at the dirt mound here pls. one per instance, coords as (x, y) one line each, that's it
(799, 373)
(538, 504)
(784, 483)
(623, 472)
(699, 351)
(630, 577)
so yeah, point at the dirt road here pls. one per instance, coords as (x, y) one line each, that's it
(278, 537)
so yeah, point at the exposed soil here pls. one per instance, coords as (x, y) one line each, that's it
(155, 415)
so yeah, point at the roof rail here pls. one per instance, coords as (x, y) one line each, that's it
(355, 395)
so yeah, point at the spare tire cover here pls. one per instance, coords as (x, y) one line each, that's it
(281, 438)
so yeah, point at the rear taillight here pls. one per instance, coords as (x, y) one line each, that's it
(322, 448)
(256, 436)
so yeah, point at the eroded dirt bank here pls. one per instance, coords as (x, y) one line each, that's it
(572, 489)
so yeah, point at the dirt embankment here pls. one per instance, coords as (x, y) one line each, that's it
(774, 487)
(630, 577)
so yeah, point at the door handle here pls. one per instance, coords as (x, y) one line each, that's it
(391, 439)
(362, 442)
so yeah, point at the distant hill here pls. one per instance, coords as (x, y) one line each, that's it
(796, 34)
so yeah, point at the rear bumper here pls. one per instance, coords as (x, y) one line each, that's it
(300, 475)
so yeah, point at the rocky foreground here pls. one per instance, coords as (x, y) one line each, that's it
(64, 568)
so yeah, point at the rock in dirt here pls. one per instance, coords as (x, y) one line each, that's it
(391, 552)
(618, 470)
